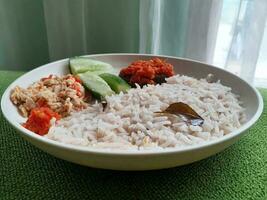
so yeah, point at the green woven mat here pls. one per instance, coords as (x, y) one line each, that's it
(239, 172)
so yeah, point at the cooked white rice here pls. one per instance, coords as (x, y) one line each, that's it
(129, 120)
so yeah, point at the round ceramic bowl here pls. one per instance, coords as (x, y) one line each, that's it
(142, 160)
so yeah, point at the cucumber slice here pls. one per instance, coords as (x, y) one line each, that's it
(101, 72)
(116, 83)
(83, 64)
(97, 85)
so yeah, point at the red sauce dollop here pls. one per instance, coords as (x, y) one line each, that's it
(39, 120)
(146, 72)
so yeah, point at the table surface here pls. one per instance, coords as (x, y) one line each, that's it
(239, 172)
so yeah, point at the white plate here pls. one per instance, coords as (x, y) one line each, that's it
(122, 160)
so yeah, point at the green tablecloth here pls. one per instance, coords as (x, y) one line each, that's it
(239, 172)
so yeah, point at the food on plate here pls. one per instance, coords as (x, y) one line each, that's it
(49, 99)
(116, 83)
(144, 72)
(163, 110)
(185, 112)
(97, 77)
(61, 94)
(130, 120)
(40, 119)
(82, 64)
(96, 85)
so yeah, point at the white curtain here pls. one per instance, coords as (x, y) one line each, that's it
(91, 26)
(247, 35)
(242, 44)
(188, 29)
(227, 33)
(172, 28)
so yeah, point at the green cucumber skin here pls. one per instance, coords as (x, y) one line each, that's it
(101, 72)
(83, 64)
(116, 83)
(96, 85)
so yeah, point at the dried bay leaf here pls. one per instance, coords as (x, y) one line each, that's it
(185, 112)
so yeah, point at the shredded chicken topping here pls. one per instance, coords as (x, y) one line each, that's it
(61, 94)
